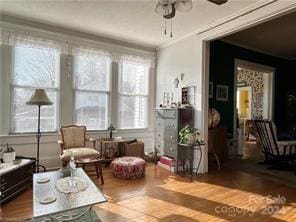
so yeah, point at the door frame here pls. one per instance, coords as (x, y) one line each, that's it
(260, 68)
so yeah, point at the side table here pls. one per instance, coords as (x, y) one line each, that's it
(191, 148)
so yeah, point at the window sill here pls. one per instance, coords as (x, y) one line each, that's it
(120, 130)
(133, 130)
(48, 133)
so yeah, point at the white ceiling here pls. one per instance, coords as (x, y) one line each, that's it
(128, 20)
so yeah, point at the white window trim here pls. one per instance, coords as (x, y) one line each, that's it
(12, 86)
(108, 92)
(146, 95)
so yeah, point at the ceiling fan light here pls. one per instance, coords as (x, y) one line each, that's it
(183, 5)
(163, 9)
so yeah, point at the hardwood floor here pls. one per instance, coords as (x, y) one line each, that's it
(162, 196)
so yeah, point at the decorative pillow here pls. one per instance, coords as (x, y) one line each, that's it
(79, 152)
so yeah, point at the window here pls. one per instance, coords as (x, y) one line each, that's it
(34, 67)
(92, 91)
(133, 95)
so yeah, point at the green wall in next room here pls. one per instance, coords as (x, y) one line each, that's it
(222, 62)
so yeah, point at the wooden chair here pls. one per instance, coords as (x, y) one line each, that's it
(73, 143)
(277, 153)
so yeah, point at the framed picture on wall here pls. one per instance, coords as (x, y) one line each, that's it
(222, 93)
(211, 90)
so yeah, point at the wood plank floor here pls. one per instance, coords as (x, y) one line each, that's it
(162, 196)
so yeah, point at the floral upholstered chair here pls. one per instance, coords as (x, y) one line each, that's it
(73, 142)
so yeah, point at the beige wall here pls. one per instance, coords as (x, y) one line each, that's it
(183, 57)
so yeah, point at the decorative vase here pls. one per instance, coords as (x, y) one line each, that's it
(8, 157)
(190, 137)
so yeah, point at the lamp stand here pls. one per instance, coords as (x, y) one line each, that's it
(38, 136)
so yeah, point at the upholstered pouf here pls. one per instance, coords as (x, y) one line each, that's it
(128, 167)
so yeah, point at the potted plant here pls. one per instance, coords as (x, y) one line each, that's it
(8, 154)
(189, 135)
(186, 135)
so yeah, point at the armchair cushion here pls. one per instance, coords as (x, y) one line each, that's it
(79, 152)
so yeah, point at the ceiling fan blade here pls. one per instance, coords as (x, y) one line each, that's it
(183, 5)
(218, 2)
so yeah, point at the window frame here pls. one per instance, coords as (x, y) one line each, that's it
(120, 94)
(105, 92)
(13, 86)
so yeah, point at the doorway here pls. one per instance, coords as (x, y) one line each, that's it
(244, 101)
(253, 100)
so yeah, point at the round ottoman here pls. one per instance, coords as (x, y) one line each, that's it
(128, 167)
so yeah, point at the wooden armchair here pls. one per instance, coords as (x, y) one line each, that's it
(73, 142)
(277, 153)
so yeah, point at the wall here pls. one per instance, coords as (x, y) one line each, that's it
(25, 145)
(178, 58)
(222, 62)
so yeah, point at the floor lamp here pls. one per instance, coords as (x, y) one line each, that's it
(39, 98)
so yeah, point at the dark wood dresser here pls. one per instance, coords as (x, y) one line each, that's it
(15, 179)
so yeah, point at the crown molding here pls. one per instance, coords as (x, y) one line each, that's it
(22, 21)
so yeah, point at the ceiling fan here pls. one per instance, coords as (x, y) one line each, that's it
(218, 2)
(167, 9)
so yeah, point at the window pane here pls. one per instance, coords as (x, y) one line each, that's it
(133, 79)
(133, 112)
(35, 67)
(91, 73)
(25, 117)
(91, 110)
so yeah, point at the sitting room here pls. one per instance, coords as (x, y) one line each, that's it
(124, 110)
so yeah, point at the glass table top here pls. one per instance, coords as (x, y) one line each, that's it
(64, 202)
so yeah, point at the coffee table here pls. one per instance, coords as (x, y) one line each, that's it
(65, 204)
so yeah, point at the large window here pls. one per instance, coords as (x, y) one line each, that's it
(133, 95)
(92, 91)
(34, 67)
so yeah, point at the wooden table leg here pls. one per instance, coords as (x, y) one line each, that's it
(99, 165)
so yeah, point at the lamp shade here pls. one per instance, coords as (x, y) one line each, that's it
(39, 98)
